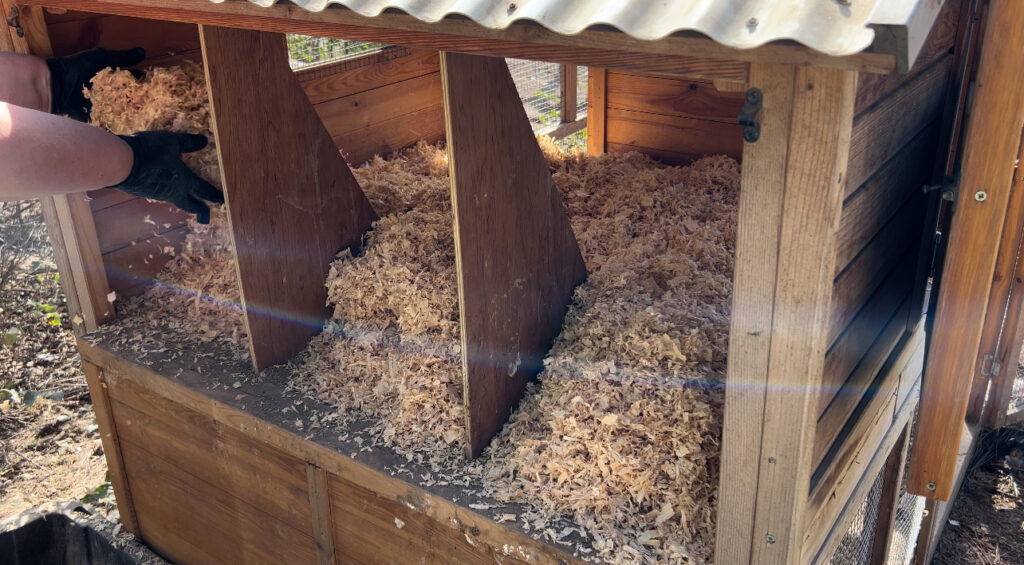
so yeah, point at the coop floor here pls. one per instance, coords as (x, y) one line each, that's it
(217, 372)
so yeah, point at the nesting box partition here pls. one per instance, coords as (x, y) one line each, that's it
(826, 344)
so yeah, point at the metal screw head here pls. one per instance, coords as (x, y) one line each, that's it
(769, 538)
(930, 486)
(752, 22)
(980, 196)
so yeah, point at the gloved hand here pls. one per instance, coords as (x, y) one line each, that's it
(70, 75)
(158, 172)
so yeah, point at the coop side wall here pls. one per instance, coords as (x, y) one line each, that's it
(875, 355)
(201, 480)
(371, 105)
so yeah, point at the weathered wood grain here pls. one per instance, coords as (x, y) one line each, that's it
(292, 201)
(992, 140)
(597, 107)
(516, 256)
(762, 193)
(669, 135)
(131, 268)
(135, 221)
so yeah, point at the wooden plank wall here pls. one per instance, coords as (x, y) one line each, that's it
(370, 105)
(675, 120)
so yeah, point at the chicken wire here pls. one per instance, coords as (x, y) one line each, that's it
(539, 87)
(307, 50)
(855, 547)
(909, 515)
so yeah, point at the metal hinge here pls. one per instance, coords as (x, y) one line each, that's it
(948, 187)
(748, 115)
(14, 21)
(994, 366)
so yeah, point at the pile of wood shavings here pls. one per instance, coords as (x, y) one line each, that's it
(391, 354)
(197, 291)
(621, 433)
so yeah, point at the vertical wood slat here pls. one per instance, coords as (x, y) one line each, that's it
(320, 507)
(111, 446)
(597, 109)
(889, 501)
(791, 197)
(567, 78)
(292, 202)
(68, 217)
(991, 144)
(757, 246)
(516, 255)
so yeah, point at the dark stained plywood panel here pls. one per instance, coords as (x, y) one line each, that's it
(673, 134)
(134, 221)
(134, 265)
(382, 138)
(382, 69)
(366, 532)
(188, 520)
(517, 258)
(158, 38)
(697, 99)
(292, 201)
(266, 478)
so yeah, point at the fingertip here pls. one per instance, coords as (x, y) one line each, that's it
(190, 142)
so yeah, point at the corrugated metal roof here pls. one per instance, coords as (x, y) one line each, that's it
(833, 27)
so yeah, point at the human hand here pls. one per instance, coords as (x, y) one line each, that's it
(158, 172)
(70, 75)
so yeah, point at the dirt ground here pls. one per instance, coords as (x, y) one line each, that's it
(986, 526)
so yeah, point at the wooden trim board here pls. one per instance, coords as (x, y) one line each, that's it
(515, 252)
(292, 202)
(993, 138)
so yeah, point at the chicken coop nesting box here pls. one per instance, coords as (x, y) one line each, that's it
(840, 113)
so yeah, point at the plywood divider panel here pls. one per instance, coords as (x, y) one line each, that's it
(992, 141)
(516, 256)
(293, 203)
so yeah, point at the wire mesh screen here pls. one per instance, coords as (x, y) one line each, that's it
(1017, 394)
(308, 51)
(539, 87)
(909, 514)
(855, 547)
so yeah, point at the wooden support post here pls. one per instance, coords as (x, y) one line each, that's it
(990, 148)
(567, 87)
(597, 109)
(69, 221)
(790, 201)
(889, 502)
(516, 255)
(111, 447)
(320, 509)
(292, 201)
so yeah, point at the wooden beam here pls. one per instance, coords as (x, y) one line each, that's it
(790, 200)
(320, 507)
(567, 79)
(516, 255)
(68, 217)
(292, 201)
(990, 149)
(400, 28)
(111, 446)
(597, 110)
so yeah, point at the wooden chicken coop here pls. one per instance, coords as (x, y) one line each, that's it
(840, 113)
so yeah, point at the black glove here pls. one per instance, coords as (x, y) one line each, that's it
(158, 172)
(70, 75)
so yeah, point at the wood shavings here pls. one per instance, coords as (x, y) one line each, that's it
(634, 377)
(622, 432)
(196, 292)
